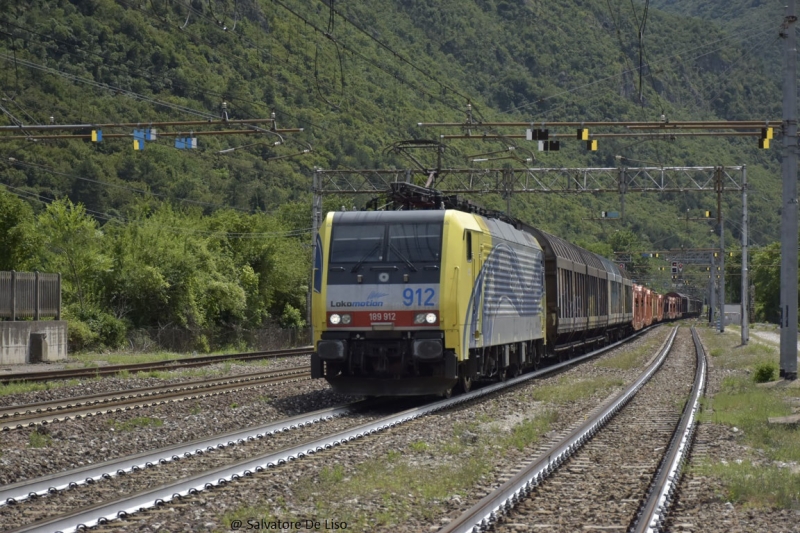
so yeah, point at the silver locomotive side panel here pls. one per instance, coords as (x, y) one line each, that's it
(506, 302)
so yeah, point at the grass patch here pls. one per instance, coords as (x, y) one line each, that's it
(634, 357)
(756, 486)
(39, 440)
(331, 476)
(529, 432)
(728, 354)
(569, 390)
(133, 423)
(741, 404)
(389, 476)
(155, 374)
(419, 446)
(123, 358)
(245, 513)
(89, 359)
(19, 387)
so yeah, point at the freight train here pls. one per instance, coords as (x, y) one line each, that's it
(417, 302)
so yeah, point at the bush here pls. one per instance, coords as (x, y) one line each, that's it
(291, 318)
(765, 372)
(201, 344)
(93, 329)
(80, 336)
(112, 331)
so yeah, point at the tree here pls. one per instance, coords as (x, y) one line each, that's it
(628, 241)
(14, 241)
(766, 269)
(72, 243)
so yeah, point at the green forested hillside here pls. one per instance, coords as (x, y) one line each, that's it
(217, 238)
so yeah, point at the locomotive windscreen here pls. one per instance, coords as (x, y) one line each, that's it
(357, 243)
(378, 243)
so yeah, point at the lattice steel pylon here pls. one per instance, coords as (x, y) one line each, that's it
(509, 181)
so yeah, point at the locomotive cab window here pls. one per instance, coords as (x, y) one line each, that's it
(417, 243)
(381, 243)
(357, 243)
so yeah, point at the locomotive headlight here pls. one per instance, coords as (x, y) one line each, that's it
(422, 318)
(335, 319)
(346, 319)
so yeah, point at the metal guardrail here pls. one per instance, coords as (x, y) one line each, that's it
(30, 295)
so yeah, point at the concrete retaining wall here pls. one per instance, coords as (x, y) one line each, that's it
(15, 341)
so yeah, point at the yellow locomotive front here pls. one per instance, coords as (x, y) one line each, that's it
(413, 302)
(377, 304)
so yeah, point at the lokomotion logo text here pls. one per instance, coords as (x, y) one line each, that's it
(371, 301)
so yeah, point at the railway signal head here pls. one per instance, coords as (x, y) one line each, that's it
(766, 136)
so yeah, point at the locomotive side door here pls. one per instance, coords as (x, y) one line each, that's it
(475, 260)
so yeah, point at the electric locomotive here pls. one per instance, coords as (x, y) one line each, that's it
(416, 302)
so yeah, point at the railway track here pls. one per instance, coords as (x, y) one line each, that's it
(22, 503)
(171, 364)
(43, 413)
(171, 491)
(615, 470)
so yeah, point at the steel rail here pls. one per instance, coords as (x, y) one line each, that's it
(23, 490)
(652, 514)
(103, 513)
(170, 364)
(139, 392)
(488, 510)
(59, 412)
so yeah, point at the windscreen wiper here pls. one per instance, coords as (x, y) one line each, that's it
(361, 262)
(408, 263)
